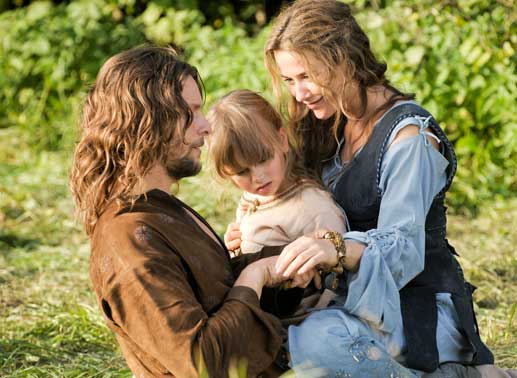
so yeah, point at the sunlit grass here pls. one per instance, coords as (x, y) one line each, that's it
(49, 322)
(487, 245)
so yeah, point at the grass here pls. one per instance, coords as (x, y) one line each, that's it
(49, 322)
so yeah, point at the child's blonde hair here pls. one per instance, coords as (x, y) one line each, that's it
(240, 140)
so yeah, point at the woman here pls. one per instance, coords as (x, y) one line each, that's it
(401, 294)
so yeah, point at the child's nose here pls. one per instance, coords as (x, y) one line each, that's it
(258, 175)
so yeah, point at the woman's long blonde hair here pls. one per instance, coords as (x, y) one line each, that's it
(133, 117)
(337, 53)
(245, 132)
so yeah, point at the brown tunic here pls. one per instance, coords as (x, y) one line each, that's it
(166, 289)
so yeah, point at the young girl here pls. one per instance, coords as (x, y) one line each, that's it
(280, 202)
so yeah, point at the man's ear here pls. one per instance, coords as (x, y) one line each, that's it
(284, 140)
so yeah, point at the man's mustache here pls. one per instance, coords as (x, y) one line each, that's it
(197, 144)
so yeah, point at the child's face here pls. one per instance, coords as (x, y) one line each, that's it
(266, 178)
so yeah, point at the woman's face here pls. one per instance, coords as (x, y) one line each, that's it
(295, 76)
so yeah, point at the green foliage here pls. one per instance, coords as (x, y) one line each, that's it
(226, 57)
(459, 58)
(48, 55)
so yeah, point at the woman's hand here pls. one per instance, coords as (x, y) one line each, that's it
(305, 254)
(312, 252)
(232, 237)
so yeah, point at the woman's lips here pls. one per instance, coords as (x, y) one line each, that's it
(312, 105)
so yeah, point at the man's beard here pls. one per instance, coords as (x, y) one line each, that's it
(182, 167)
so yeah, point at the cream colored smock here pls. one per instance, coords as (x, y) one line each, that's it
(279, 220)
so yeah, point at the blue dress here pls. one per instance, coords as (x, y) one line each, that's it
(361, 334)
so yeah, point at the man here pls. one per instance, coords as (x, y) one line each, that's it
(162, 276)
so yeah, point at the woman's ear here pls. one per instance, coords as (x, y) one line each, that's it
(284, 140)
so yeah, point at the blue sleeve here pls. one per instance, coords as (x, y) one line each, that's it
(412, 173)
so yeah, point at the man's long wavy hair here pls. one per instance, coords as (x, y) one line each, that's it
(336, 52)
(133, 117)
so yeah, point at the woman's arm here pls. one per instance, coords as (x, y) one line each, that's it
(413, 172)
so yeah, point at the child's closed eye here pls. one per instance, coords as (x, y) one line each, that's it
(264, 161)
(242, 172)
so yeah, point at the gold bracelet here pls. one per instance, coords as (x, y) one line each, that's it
(339, 244)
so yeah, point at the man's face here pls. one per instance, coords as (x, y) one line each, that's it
(189, 152)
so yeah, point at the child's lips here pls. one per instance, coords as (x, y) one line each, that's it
(263, 187)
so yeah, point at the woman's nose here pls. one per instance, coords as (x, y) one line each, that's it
(301, 92)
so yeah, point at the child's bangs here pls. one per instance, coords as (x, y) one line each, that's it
(245, 132)
(244, 151)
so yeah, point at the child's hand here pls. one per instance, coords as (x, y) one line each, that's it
(232, 237)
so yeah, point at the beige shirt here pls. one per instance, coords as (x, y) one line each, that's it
(279, 220)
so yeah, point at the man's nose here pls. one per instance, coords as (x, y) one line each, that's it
(202, 125)
(301, 92)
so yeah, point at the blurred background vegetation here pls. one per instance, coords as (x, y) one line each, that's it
(458, 56)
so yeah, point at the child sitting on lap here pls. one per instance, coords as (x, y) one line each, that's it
(280, 202)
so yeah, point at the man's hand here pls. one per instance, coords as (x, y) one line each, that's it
(259, 274)
(267, 268)
(263, 273)
(303, 280)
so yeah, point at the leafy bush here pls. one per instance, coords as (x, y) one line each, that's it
(47, 55)
(226, 57)
(459, 58)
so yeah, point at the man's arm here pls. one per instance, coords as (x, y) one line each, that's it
(154, 304)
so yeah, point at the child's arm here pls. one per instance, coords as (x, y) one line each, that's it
(322, 213)
(232, 237)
